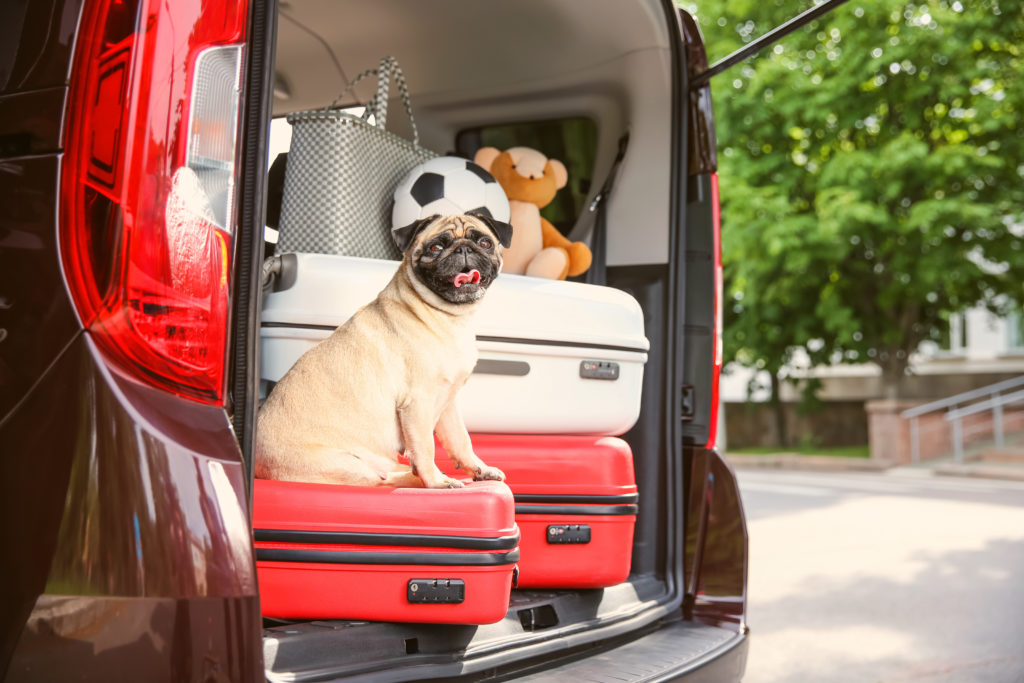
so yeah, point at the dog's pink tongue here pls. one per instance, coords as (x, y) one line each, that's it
(472, 276)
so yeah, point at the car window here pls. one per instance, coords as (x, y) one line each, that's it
(573, 141)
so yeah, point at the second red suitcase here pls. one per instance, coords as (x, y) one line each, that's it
(576, 504)
(418, 555)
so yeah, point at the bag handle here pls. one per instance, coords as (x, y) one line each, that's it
(378, 105)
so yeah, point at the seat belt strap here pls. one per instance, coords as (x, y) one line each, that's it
(597, 213)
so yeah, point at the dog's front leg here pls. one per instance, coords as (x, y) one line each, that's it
(451, 430)
(414, 419)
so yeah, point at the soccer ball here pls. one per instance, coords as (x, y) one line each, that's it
(448, 186)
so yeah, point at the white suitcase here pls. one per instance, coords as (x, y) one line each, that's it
(555, 357)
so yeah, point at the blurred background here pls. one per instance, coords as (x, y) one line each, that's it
(872, 187)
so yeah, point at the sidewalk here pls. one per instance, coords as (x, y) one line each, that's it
(796, 461)
(1008, 469)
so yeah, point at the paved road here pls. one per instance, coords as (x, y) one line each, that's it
(897, 576)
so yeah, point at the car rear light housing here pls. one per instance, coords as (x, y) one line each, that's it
(147, 190)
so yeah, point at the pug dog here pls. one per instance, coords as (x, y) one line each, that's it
(362, 406)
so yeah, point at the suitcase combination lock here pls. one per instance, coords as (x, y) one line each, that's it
(569, 534)
(599, 369)
(436, 591)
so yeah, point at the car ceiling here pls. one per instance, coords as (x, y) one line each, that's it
(454, 46)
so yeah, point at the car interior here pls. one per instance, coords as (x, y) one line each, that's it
(573, 78)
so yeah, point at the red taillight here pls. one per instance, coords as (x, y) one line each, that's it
(147, 192)
(716, 221)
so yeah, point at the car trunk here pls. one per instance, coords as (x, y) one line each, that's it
(471, 68)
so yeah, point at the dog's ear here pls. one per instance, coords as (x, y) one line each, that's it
(404, 235)
(501, 230)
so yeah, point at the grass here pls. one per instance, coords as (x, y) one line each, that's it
(837, 451)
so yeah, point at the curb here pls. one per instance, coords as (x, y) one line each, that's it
(826, 463)
(795, 461)
(1007, 473)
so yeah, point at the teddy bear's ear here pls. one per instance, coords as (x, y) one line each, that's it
(485, 156)
(561, 175)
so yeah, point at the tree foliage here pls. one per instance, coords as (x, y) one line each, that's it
(872, 174)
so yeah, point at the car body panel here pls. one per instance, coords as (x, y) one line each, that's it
(105, 639)
(35, 49)
(36, 319)
(716, 543)
(700, 114)
(38, 446)
(36, 40)
(30, 122)
(145, 499)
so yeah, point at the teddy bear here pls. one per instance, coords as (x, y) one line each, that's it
(530, 181)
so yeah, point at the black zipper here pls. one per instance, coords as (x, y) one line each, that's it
(385, 558)
(385, 539)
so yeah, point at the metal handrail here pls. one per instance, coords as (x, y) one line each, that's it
(996, 388)
(993, 390)
(985, 405)
(995, 404)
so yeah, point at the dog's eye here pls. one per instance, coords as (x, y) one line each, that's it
(435, 248)
(485, 242)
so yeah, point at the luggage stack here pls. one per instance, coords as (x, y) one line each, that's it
(558, 378)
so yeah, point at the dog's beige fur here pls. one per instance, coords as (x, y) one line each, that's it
(380, 385)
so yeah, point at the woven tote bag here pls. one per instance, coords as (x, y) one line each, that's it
(342, 172)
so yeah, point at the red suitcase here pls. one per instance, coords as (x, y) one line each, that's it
(385, 554)
(576, 505)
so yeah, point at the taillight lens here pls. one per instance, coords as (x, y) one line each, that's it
(716, 223)
(147, 196)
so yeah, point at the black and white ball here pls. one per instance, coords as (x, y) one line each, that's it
(448, 186)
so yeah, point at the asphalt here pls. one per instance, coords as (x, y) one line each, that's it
(896, 577)
(1011, 469)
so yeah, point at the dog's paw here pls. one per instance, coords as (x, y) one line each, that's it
(487, 473)
(446, 483)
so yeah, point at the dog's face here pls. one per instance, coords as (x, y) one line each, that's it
(456, 257)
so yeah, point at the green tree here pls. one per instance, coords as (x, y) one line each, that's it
(767, 318)
(872, 169)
